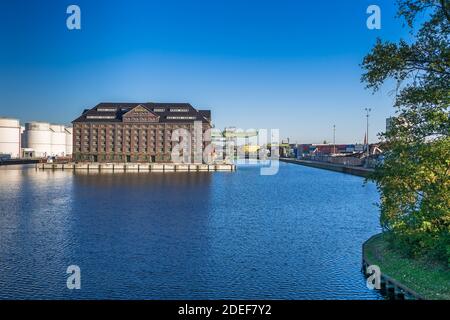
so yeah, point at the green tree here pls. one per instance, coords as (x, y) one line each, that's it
(414, 178)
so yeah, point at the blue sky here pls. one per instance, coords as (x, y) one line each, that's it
(292, 65)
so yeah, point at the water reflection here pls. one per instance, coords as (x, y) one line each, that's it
(145, 229)
(35, 232)
(295, 235)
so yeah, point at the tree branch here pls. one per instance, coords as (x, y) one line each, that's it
(444, 8)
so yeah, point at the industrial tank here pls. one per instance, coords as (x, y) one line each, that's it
(38, 137)
(58, 140)
(69, 141)
(22, 136)
(10, 137)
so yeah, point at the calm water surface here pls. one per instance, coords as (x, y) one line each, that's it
(295, 235)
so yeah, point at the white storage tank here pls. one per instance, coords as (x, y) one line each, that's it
(38, 137)
(58, 135)
(69, 141)
(10, 137)
(22, 130)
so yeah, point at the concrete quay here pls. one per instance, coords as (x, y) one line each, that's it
(137, 167)
(356, 171)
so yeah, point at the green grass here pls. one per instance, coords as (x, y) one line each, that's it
(430, 280)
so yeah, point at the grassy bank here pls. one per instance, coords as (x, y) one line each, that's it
(430, 280)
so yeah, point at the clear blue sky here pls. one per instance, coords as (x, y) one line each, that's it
(292, 65)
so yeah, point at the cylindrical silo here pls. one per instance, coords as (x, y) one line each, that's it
(58, 139)
(69, 141)
(10, 137)
(38, 137)
(22, 135)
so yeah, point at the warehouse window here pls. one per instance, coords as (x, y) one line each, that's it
(100, 117)
(179, 110)
(180, 118)
(106, 109)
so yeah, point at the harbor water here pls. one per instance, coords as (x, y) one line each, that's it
(181, 235)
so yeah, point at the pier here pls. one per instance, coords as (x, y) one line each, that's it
(137, 167)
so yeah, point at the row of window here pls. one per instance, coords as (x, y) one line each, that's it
(143, 119)
(154, 109)
(106, 109)
(112, 132)
(120, 127)
(128, 143)
(100, 117)
(122, 157)
(180, 118)
(120, 150)
(179, 110)
(126, 150)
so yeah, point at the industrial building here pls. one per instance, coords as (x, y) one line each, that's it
(136, 132)
(69, 140)
(34, 140)
(9, 138)
(42, 139)
(234, 142)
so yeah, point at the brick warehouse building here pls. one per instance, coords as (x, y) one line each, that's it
(135, 132)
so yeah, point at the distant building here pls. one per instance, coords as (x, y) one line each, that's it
(218, 142)
(9, 138)
(359, 147)
(389, 124)
(237, 142)
(136, 132)
(69, 140)
(320, 150)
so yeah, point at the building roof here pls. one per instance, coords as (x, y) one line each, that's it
(206, 114)
(167, 112)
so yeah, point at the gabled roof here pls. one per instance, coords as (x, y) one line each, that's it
(113, 112)
(140, 107)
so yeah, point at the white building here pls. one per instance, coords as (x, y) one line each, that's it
(38, 137)
(45, 139)
(58, 140)
(69, 141)
(10, 137)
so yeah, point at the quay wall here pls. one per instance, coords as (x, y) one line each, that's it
(390, 287)
(137, 167)
(18, 161)
(357, 171)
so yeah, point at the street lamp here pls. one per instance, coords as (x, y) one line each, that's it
(334, 139)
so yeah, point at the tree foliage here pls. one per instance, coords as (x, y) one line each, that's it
(414, 178)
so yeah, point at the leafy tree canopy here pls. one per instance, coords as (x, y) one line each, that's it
(414, 178)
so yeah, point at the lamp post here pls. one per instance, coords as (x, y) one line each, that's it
(367, 131)
(334, 139)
